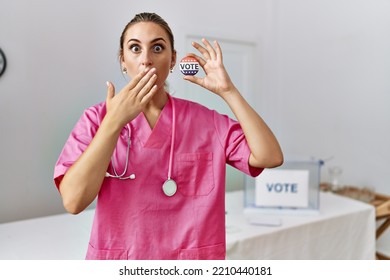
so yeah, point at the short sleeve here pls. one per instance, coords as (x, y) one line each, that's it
(233, 140)
(79, 139)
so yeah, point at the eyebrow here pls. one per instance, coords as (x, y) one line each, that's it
(153, 41)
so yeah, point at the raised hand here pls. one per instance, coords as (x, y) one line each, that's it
(133, 98)
(217, 79)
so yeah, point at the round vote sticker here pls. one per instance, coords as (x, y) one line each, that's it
(189, 66)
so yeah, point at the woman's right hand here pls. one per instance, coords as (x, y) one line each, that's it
(81, 183)
(132, 99)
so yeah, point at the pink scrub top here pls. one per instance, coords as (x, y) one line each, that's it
(134, 219)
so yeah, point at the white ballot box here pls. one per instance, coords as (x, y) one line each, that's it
(293, 187)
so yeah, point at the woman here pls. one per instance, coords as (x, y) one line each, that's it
(157, 163)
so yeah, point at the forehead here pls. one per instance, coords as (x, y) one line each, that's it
(145, 32)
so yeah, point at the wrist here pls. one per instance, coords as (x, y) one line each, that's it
(231, 95)
(111, 125)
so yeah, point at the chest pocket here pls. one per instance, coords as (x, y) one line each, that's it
(195, 174)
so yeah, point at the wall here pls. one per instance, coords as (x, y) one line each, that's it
(332, 93)
(327, 91)
(322, 85)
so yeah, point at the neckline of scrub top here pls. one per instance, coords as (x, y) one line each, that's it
(161, 133)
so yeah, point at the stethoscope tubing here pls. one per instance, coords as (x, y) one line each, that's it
(172, 138)
(132, 176)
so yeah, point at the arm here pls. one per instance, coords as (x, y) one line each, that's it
(81, 183)
(265, 149)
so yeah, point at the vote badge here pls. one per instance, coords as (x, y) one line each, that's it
(189, 66)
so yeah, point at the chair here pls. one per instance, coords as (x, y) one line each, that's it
(382, 206)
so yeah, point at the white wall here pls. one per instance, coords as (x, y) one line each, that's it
(323, 82)
(332, 65)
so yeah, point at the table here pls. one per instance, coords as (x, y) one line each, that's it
(343, 229)
(57, 237)
(381, 202)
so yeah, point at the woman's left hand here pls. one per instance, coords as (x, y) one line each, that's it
(265, 149)
(217, 79)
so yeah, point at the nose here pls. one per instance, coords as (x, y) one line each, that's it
(146, 59)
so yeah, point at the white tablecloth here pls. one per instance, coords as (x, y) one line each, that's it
(344, 229)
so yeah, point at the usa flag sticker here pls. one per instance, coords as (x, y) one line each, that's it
(189, 66)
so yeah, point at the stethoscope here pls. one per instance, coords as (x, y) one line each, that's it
(169, 187)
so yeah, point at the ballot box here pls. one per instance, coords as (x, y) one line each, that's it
(291, 188)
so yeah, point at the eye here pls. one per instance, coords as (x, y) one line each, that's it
(158, 48)
(135, 48)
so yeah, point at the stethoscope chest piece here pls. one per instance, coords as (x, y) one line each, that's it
(169, 187)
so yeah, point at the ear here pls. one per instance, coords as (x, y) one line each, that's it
(122, 61)
(173, 60)
(121, 57)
